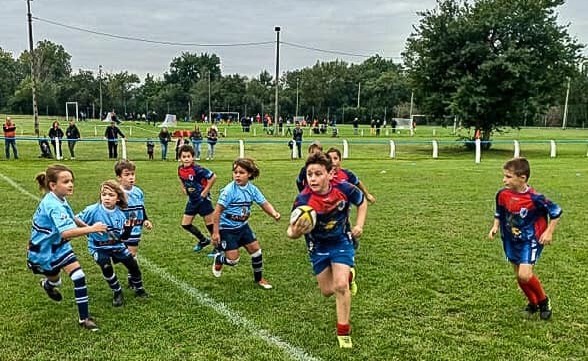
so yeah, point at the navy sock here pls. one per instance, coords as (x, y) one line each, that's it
(80, 292)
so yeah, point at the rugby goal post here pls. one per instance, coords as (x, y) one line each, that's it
(67, 104)
(403, 123)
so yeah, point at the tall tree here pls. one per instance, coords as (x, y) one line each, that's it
(11, 74)
(491, 62)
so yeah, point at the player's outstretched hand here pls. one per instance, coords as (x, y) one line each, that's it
(356, 231)
(277, 216)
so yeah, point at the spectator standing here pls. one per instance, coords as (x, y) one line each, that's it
(355, 126)
(111, 134)
(72, 133)
(164, 139)
(196, 138)
(56, 134)
(9, 129)
(212, 138)
(297, 137)
(150, 148)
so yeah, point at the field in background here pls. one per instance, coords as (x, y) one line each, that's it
(432, 286)
(533, 142)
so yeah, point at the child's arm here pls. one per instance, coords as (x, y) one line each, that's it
(216, 223)
(97, 227)
(547, 236)
(270, 210)
(357, 230)
(370, 198)
(494, 228)
(209, 185)
(302, 226)
(183, 187)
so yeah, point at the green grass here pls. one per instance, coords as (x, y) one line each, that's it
(431, 285)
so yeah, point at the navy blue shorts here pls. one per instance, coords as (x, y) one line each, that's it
(522, 252)
(202, 207)
(56, 266)
(103, 256)
(341, 252)
(234, 238)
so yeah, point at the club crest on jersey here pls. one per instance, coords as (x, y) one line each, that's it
(341, 205)
(523, 212)
(63, 216)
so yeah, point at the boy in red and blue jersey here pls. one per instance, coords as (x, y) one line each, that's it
(329, 242)
(526, 220)
(196, 183)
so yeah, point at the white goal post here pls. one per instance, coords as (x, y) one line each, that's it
(403, 123)
(67, 104)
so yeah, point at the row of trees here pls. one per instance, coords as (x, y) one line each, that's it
(491, 63)
(325, 90)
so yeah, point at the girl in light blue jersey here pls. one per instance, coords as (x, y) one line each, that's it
(49, 250)
(231, 221)
(108, 248)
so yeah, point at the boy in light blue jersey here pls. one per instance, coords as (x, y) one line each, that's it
(136, 214)
(49, 249)
(231, 221)
(108, 247)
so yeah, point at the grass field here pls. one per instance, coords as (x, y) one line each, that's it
(431, 285)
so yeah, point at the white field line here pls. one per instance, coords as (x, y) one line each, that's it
(293, 352)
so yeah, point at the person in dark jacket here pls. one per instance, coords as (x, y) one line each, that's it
(111, 134)
(72, 133)
(56, 134)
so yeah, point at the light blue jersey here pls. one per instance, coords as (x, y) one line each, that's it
(46, 247)
(114, 219)
(237, 201)
(135, 213)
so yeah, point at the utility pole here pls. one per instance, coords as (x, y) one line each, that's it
(358, 93)
(209, 109)
(565, 114)
(297, 85)
(33, 75)
(276, 112)
(100, 87)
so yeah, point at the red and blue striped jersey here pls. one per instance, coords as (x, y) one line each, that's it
(524, 216)
(332, 209)
(194, 178)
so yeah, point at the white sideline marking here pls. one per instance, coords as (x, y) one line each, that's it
(238, 320)
(202, 298)
(19, 188)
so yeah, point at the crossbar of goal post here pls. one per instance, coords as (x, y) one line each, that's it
(67, 104)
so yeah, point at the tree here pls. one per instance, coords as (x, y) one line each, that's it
(490, 62)
(52, 62)
(11, 74)
(189, 68)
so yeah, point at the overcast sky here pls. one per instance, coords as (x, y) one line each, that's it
(362, 27)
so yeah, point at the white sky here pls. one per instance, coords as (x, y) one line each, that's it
(364, 27)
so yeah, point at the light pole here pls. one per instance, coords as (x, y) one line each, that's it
(297, 85)
(209, 110)
(565, 114)
(358, 93)
(33, 76)
(276, 111)
(100, 87)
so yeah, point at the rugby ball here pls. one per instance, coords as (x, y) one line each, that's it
(303, 212)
